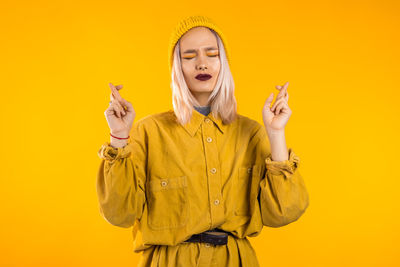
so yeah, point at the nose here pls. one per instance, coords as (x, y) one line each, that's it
(202, 63)
(202, 67)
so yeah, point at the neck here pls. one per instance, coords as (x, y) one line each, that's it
(202, 97)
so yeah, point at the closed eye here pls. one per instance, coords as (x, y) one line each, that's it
(208, 55)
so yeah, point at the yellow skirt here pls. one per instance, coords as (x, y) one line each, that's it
(238, 252)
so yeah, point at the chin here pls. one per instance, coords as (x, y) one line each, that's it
(202, 90)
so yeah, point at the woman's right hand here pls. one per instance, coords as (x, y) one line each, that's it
(119, 119)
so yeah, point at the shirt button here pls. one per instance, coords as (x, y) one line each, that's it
(207, 120)
(163, 183)
(249, 170)
(209, 139)
(216, 202)
(213, 170)
(207, 244)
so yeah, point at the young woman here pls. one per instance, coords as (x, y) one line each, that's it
(195, 181)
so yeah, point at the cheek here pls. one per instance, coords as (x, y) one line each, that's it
(185, 69)
(216, 67)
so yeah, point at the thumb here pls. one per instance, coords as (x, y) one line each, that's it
(269, 100)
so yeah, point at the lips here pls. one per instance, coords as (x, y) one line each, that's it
(203, 77)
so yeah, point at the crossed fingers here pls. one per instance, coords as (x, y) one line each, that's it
(116, 98)
(282, 98)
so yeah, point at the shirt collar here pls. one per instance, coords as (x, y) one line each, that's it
(197, 118)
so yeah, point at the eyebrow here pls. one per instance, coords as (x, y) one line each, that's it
(195, 50)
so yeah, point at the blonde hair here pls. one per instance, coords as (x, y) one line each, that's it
(222, 99)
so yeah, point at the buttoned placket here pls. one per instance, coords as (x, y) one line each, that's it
(213, 174)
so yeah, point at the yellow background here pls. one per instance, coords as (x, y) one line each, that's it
(341, 59)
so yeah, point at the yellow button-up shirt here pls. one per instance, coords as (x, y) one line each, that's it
(172, 181)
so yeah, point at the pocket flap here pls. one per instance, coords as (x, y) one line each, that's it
(160, 183)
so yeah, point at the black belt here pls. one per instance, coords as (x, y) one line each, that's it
(214, 236)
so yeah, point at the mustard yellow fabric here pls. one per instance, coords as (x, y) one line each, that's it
(171, 181)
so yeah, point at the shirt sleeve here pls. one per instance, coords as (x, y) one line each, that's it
(121, 179)
(283, 195)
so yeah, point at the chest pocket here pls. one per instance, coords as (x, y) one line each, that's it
(246, 187)
(168, 204)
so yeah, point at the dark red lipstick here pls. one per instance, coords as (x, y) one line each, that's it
(203, 77)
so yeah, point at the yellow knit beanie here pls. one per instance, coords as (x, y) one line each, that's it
(186, 24)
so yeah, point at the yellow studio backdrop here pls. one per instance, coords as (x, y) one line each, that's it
(341, 59)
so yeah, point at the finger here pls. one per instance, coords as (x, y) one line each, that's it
(120, 107)
(119, 98)
(276, 99)
(278, 108)
(114, 99)
(282, 89)
(117, 108)
(112, 95)
(268, 101)
(111, 86)
(286, 108)
(128, 106)
(281, 106)
(287, 97)
(279, 96)
(118, 87)
(121, 112)
(277, 103)
(109, 110)
(116, 96)
(287, 84)
(285, 88)
(116, 103)
(115, 92)
(124, 103)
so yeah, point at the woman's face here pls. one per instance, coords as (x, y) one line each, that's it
(200, 55)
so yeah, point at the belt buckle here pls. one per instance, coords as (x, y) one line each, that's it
(213, 236)
(216, 238)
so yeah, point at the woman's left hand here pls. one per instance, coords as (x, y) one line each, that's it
(276, 117)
